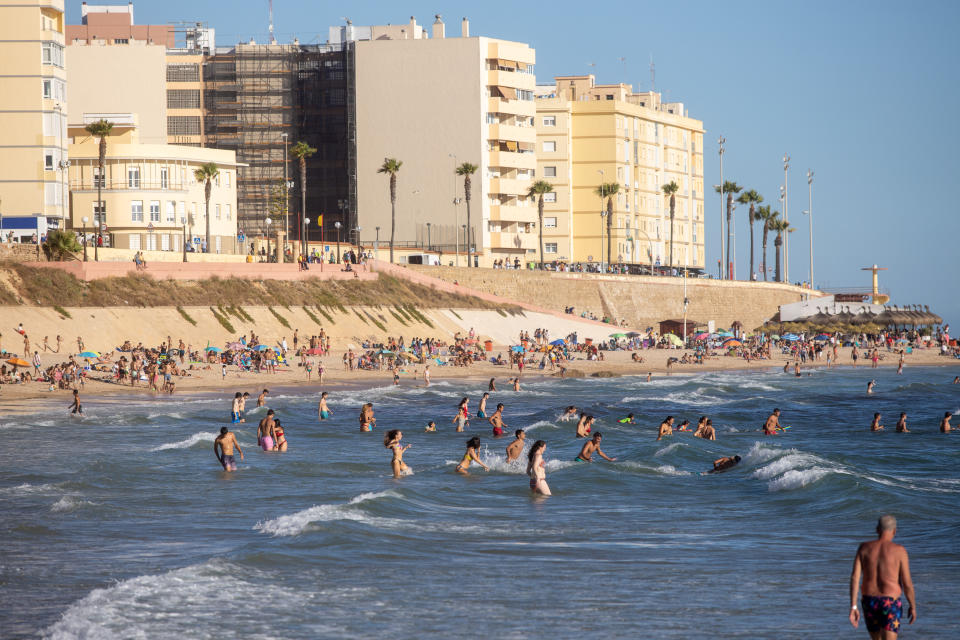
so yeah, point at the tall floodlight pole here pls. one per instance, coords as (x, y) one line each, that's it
(602, 210)
(723, 259)
(810, 213)
(786, 218)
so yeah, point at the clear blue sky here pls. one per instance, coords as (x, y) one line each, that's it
(864, 92)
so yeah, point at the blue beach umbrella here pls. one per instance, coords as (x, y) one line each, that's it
(88, 354)
(262, 347)
(516, 348)
(214, 349)
(557, 342)
(791, 337)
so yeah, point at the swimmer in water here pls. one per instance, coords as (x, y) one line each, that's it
(707, 432)
(323, 411)
(536, 469)
(722, 464)
(875, 425)
(684, 426)
(700, 425)
(280, 441)
(585, 426)
(956, 380)
(570, 413)
(944, 423)
(235, 410)
(75, 407)
(392, 441)
(243, 406)
(649, 375)
(462, 416)
(516, 383)
(591, 446)
(482, 408)
(367, 420)
(493, 385)
(262, 398)
(770, 426)
(431, 426)
(497, 421)
(471, 455)
(902, 424)
(666, 428)
(627, 420)
(223, 449)
(870, 386)
(265, 431)
(515, 448)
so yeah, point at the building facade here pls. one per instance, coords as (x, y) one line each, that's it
(588, 134)
(150, 197)
(434, 103)
(33, 110)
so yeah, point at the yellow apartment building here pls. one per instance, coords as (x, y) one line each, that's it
(33, 111)
(433, 103)
(589, 133)
(149, 193)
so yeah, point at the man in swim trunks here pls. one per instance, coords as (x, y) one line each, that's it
(77, 408)
(482, 409)
(223, 449)
(323, 411)
(262, 398)
(515, 448)
(497, 421)
(666, 428)
(265, 431)
(885, 569)
(770, 426)
(593, 445)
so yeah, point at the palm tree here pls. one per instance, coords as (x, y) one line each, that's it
(391, 166)
(60, 244)
(671, 189)
(466, 170)
(779, 226)
(206, 173)
(537, 189)
(101, 129)
(729, 187)
(752, 198)
(608, 190)
(301, 151)
(765, 215)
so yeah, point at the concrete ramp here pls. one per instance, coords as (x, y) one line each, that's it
(505, 330)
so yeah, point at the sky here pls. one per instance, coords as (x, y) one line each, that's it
(863, 92)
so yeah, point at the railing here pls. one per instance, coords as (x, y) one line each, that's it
(123, 185)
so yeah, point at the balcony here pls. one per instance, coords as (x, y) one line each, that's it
(515, 107)
(509, 185)
(511, 132)
(513, 213)
(513, 79)
(123, 185)
(513, 241)
(513, 159)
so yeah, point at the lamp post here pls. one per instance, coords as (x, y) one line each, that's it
(85, 220)
(376, 245)
(337, 227)
(457, 201)
(786, 218)
(721, 141)
(429, 244)
(356, 231)
(64, 166)
(602, 214)
(286, 185)
(183, 221)
(809, 212)
(686, 302)
(268, 221)
(306, 244)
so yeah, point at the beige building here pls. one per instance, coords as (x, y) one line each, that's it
(588, 134)
(33, 103)
(434, 103)
(149, 192)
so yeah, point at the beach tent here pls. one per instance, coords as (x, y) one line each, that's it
(672, 339)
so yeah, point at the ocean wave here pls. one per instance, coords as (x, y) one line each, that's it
(295, 523)
(795, 479)
(670, 448)
(69, 503)
(663, 469)
(761, 452)
(789, 462)
(200, 436)
(27, 488)
(538, 424)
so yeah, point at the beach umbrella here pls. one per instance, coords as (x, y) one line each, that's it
(791, 337)
(237, 346)
(261, 347)
(18, 362)
(409, 356)
(774, 337)
(822, 336)
(517, 348)
(729, 344)
(214, 349)
(701, 336)
(726, 340)
(386, 352)
(557, 342)
(634, 334)
(618, 335)
(88, 354)
(672, 339)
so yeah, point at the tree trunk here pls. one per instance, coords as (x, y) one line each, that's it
(726, 267)
(609, 229)
(673, 205)
(540, 217)
(766, 230)
(207, 188)
(776, 243)
(393, 211)
(303, 205)
(467, 188)
(751, 219)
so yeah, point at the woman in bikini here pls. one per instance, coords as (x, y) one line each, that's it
(471, 455)
(280, 441)
(462, 414)
(367, 421)
(392, 441)
(536, 469)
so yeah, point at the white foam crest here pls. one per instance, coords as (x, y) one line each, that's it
(664, 469)
(538, 424)
(27, 488)
(295, 523)
(670, 470)
(761, 452)
(695, 398)
(795, 479)
(69, 503)
(668, 449)
(791, 461)
(201, 436)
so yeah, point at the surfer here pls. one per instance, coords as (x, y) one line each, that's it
(223, 449)
(885, 569)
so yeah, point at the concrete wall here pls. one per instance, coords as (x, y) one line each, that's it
(199, 271)
(642, 300)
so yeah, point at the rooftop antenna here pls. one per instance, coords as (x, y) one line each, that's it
(272, 39)
(653, 75)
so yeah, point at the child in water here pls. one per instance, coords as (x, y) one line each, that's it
(431, 426)
(392, 441)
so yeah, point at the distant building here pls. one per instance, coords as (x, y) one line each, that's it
(149, 192)
(636, 141)
(33, 112)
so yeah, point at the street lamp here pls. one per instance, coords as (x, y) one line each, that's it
(268, 221)
(602, 214)
(286, 187)
(306, 244)
(183, 221)
(376, 245)
(337, 226)
(85, 220)
(721, 141)
(786, 238)
(809, 212)
(456, 209)
(429, 245)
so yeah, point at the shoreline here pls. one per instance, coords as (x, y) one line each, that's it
(616, 364)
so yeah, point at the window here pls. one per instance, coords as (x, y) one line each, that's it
(133, 177)
(492, 118)
(154, 211)
(171, 211)
(136, 212)
(134, 241)
(183, 98)
(53, 54)
(524, 95)
(151, 242)
(165, 242)
(550, 197)
(183, 125)
(218, 212)
(549, 247)
(549, 145)
(121, 41)
(694, 233)
(48, 88)
(226, 178)
(549, 121)
(227, 210)
(183, 73)
(609, 96)
(48, 161)
(99, 213)
(549, 172)
(164, 178)
(549, 222)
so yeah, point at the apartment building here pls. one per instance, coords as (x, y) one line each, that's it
(588, 134)
(149, 197)
(33, 115)
(434, 103)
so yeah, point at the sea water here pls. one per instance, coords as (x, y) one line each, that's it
(121, 524)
